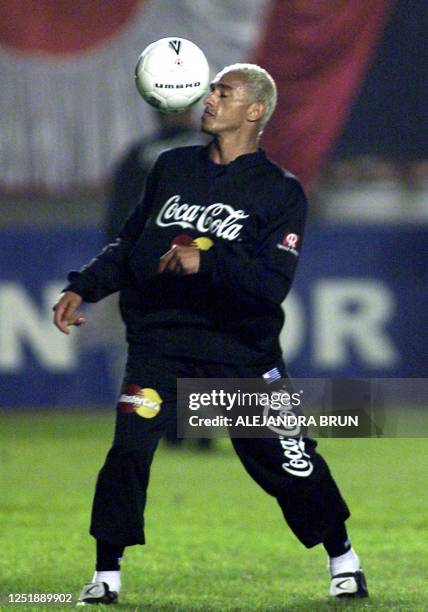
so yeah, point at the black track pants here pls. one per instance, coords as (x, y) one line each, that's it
(307, 494)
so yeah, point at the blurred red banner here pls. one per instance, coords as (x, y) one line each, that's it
(318, 53)
(62, 26)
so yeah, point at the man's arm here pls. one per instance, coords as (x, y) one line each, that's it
(104, 274)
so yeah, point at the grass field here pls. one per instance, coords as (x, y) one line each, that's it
(215, 541)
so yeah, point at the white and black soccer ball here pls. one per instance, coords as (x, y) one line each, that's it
(172, 74)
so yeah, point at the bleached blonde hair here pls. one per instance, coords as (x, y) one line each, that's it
(261, 86)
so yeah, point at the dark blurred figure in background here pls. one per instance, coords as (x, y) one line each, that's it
(128, 183)
(129, 175)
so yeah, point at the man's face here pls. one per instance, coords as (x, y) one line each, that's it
(227, 105)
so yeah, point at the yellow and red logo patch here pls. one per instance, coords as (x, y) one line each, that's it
(202, 242)
(145, 402)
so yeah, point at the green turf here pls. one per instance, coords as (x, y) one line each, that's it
(215, 540)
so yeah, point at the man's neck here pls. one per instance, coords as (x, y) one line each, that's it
(225, 151)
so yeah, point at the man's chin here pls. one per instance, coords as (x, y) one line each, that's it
(208, 124)
(207, 129)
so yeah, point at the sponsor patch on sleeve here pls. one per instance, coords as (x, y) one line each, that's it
(290, 243)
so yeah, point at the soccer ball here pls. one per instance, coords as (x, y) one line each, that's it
(172, 74)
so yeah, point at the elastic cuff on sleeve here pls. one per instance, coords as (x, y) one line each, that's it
(79, 285)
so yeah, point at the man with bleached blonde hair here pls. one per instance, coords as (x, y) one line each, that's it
(203, 266)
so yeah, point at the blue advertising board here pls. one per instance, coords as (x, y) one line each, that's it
(358, 308)
(361, 293)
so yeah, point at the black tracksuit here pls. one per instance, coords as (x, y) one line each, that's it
(247, 217)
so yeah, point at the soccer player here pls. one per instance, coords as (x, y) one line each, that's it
(203, 265)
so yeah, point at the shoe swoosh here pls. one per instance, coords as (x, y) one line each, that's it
(339, 585)
(89, 591)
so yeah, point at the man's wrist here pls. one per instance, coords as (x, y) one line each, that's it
(77, 284)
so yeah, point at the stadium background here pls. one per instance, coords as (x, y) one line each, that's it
(351, 122)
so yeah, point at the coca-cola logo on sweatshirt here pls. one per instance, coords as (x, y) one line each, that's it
(218, 219)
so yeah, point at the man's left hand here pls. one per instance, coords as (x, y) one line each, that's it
(180, 260)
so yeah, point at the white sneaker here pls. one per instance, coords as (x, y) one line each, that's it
(349, 584)
(96, 593)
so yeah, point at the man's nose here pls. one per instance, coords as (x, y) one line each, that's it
(209, 99)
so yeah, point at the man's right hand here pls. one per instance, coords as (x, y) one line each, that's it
(66, 311)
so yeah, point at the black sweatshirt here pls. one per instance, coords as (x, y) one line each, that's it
(252, 212)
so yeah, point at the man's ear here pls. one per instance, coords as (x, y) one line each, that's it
(255, 111)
